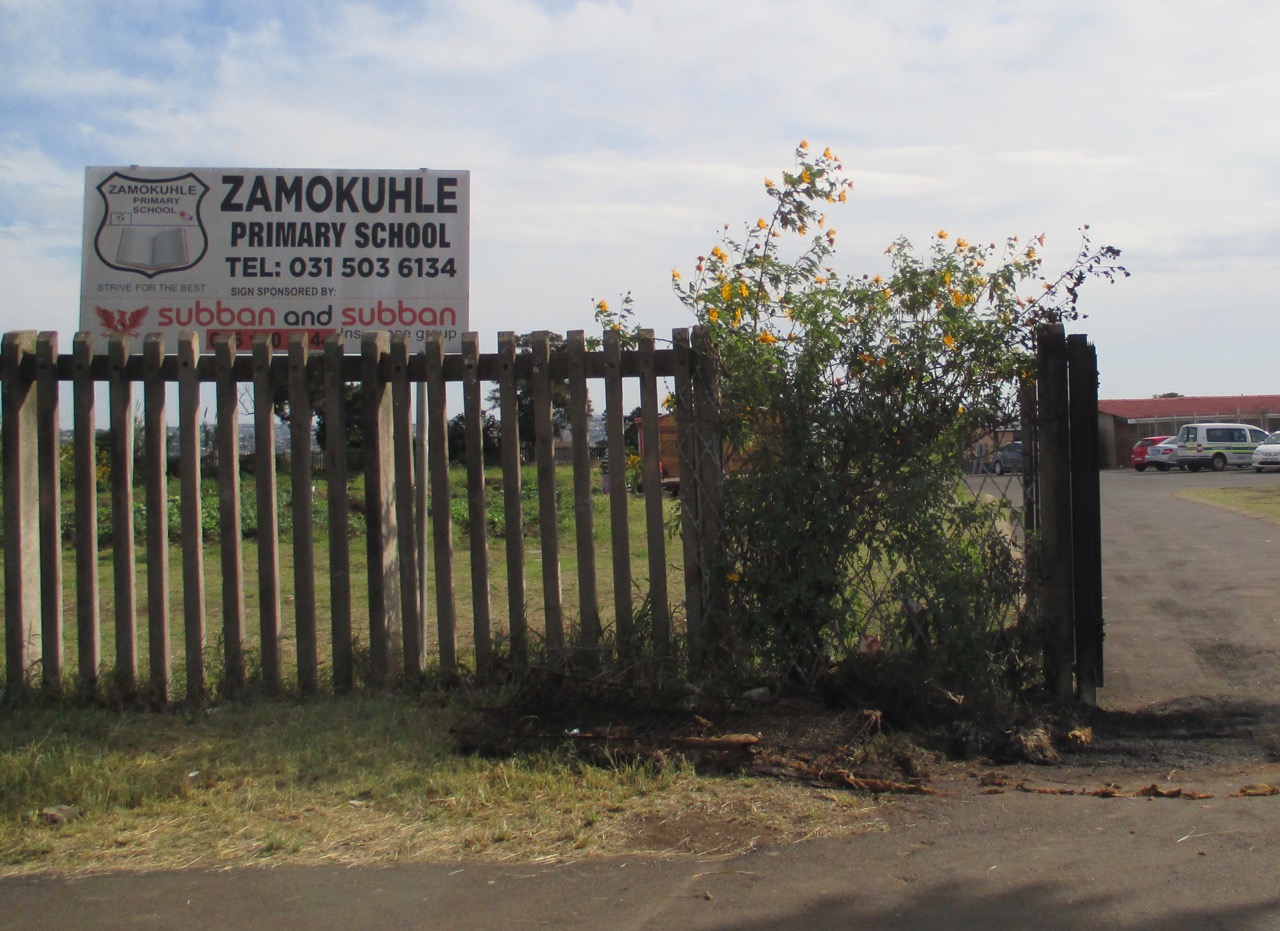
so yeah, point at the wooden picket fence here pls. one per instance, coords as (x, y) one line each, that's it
(406, 474)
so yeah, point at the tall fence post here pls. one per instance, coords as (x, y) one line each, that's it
(123, 561)
(708, 460)
(88, 596)
(156, 476)
(231, 538)
(411, 613)
(584, 518)
(50, 510)
(620, 531)
(335, 468)
(1055, 511)
(512, 507)
(1086, 503)
(544, 454)
(379, 489)
(189, 448)
(686, 440)
(304, 548)
(21, 509)
(442, 523)
(477, 509)
(266, 484)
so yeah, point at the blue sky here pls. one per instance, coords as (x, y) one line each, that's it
(609, 141)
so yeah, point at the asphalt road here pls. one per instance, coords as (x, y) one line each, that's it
(1191, 701)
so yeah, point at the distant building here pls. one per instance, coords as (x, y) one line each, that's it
(1122, 423)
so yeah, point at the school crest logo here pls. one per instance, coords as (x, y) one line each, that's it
(151, 225)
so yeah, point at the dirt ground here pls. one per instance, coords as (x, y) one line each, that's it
(1168, 821)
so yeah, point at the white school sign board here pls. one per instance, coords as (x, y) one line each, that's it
(275, 252)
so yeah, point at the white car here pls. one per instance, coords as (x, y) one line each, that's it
(1267, 454)
(1163, 456)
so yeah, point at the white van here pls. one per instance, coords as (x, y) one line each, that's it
(1217, 445)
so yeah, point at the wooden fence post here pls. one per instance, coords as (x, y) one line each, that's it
(229, 522)
(335, 467)
(123, 561)
(655, 535)
(88, 601)
(512, 507)
(548, 518)
(688, 501)
(1054, 483)
(477, 507)
(380, 515)
(441, 518)
(708, 452)
(1086, 505)
(584, 518)
(619, 521)
(193, 581)
(49, 457)
(155, 474)
(266, 487)
(414, 644)
(21, 509)
(304, 546)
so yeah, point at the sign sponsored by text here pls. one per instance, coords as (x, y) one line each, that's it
(254, 252)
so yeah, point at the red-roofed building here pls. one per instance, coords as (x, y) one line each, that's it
(1122, 423)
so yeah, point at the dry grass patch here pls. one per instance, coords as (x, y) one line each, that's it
(359, 780)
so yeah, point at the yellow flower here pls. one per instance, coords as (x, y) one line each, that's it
(882, 362)
(767, 338)
(843, 197)
(719, 254)
(822, 221)
(949, 341)
(768, 182)
(826, 153)
(726, 291)
(743, 289)
(674, 273)
(603, 307)
(802, 229)
(946, 278)
(737, 317)
(943, 234)
(877, 280)
(805, 176)
(960, 409)
(887, 292)
(713, 315)
(1031, 254)
(733, 577)
(866, 358)
(804, 143)
(760, 224)
(962, 243)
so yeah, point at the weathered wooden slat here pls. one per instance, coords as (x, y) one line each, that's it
(21, 510)
(266, 486)
(619, 528)
(335, 466)
(477, 510)
(512, 506)
(584, 518)
(654, 532)
(122, 545)
(304, 551)
(156, 477)
(548, 519)
(49, 456)
(380, 517)
(88, 601)
(688, 503)
(708, 452)
(441, 519)
(415, 656)
(420, 502)
(229, 523)
(193, 580)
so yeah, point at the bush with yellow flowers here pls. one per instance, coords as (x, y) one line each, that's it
(852, 406)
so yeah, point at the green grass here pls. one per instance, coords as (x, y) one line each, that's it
(1262, 501)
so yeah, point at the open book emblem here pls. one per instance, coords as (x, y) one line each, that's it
(151, 225)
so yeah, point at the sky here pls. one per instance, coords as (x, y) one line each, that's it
(609, 142)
